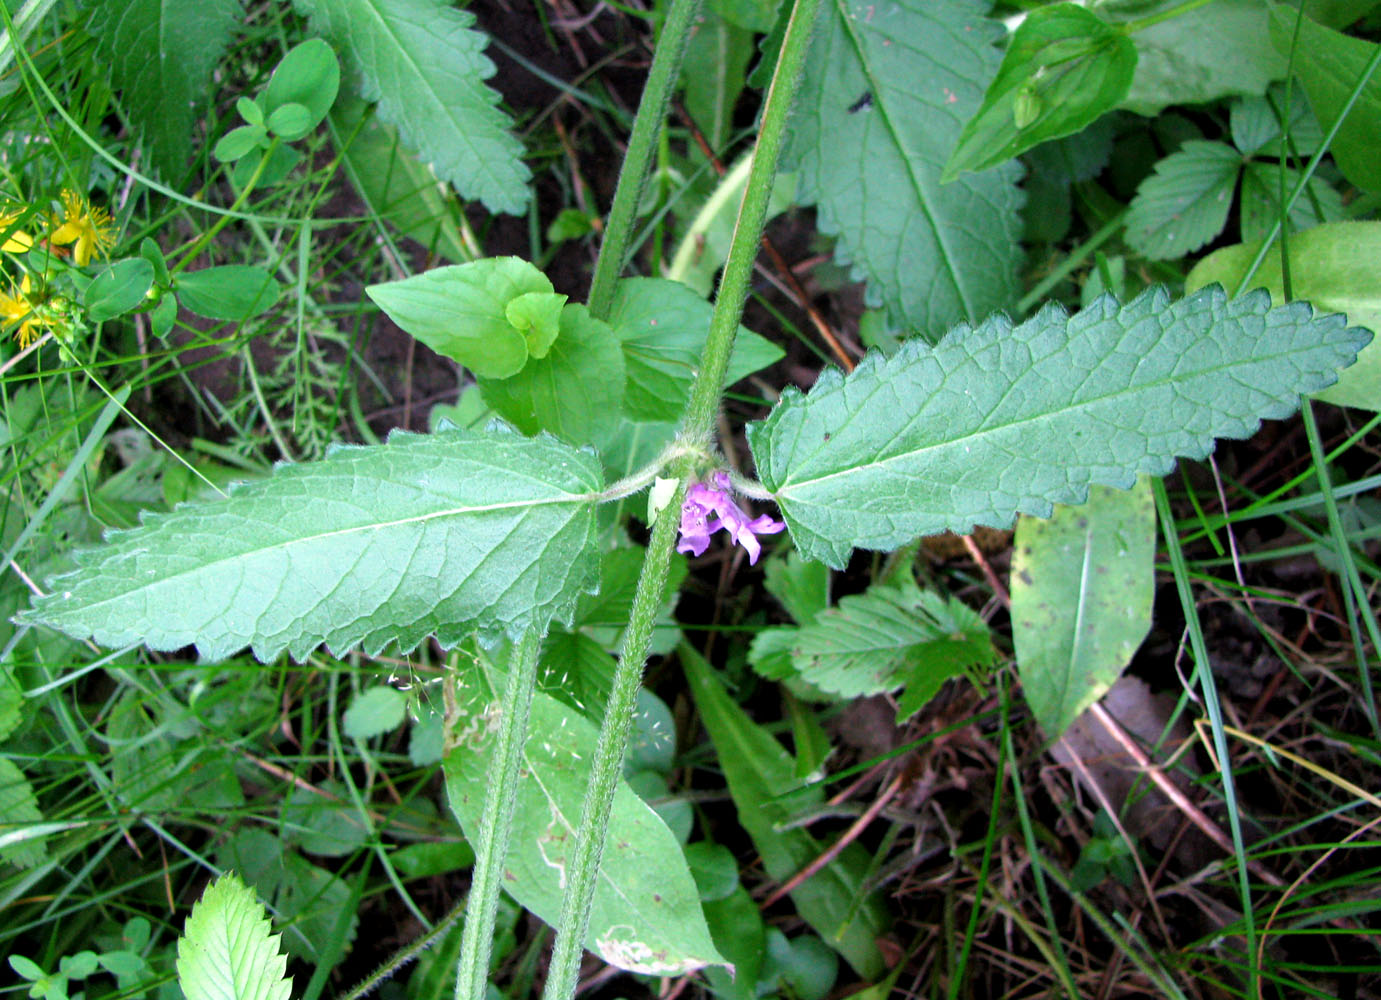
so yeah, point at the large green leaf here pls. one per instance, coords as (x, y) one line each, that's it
(646, 915)
(1200, 53)
(574, 390)
(424, 63)
(886, 91)
(1082, 584)
(999, 420)
(439, 533)
(160, 54)
(760, 773)
(1332, 266)
(1063, 68)
(1329, 65)
(461, 311)
(1185, 203)
(663, 325)
(226, 951)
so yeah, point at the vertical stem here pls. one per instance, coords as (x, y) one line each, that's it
(583, 865)
(477, 939)
(652, 110)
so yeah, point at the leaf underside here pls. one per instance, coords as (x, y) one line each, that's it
(443, 533)
(1000, 419)
(885, 95)
(424, 63)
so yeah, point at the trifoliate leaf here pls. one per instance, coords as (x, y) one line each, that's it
(886, 91)
(1185, 203)
(1260, 204)
(161, 54)
(439, 533)
(888, 637)
(1002, 419)
(308, 77)
(424, 62)
(226, 951)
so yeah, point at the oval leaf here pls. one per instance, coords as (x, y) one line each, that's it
(290, 121)
(118, 288)
(461, 311)
(308, 77)
(1000, 419)
(375, 712)
(234, 292)
(646, 915)
(444, 533)
(1082, 585)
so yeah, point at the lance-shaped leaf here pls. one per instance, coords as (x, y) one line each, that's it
(646, 916)
(439, 533)
(998, 419)
(885, 94)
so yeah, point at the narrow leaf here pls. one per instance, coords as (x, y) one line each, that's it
(999, 420)
(760, 773)
(424, 62)
(1185, 203)
(440, 533)
(1065, 67)
(646, 915)
(226, 951)
(882, 102)
(160, 54)
(1082, 584)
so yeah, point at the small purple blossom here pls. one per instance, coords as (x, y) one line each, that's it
(709, 508)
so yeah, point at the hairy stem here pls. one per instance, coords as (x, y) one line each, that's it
(642, 143)
(477, 939)
(696, 427)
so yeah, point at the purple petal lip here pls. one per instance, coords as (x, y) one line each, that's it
(709, 508)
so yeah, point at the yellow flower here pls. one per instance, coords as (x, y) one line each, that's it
(85, 225)
(17, 241)
(16, 308)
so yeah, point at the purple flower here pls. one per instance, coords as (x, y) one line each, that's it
(709, 508)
